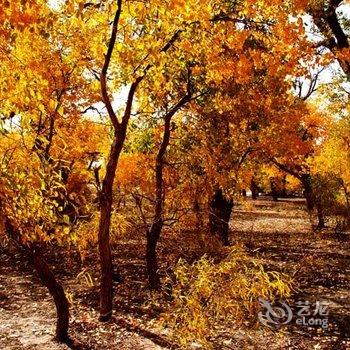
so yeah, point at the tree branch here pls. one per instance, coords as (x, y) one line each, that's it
(103, 76)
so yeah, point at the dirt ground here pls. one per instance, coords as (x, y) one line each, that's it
(278, 233)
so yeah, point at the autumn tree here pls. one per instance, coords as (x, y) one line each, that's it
(330, 22)
(44, 141)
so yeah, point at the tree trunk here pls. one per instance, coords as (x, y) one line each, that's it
(106, 194)
(254, 189)
(153, 235)
(320, 216)
(48, 279)
(308, 192)
(274, 189)
(106, 199)
(284, 187)
(155, 230)
(347, 199)
(57, 292)
(220, 209)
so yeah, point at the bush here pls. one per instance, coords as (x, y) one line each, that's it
(210, 296)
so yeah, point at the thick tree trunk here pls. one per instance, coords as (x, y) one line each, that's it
(308, 192)
(329, 18)
(220, 209)
(347, 208)
(254, 189)
(274, 189)
(284, 187)
(57, 292)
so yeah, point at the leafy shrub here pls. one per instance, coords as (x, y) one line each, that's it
(209, 296)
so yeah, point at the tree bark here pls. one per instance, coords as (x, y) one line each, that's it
(106, 199)
(106, 195)
(153, 233)
(254, 189)
(57, 292)
(308, 192)
(220, 209)
(274, 189)
(320, 216)
(336, 39)
(284, 187)
(48, 279)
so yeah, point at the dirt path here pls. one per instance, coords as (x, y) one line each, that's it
(26, 315)
(278, 233)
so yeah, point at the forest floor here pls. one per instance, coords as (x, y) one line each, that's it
(278, 233)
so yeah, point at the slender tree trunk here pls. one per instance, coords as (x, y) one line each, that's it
(57, 292)
(320, 216)
(220, 209)
(155, 230)
(153, 235)
(106, 200)
(106, 195)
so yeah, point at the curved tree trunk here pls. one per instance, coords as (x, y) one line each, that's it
(57, 292)
(106, 195)
(48, 279)
(155, 230)
(220, 209)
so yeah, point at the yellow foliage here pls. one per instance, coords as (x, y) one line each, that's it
(86, 234)
(209, 295)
